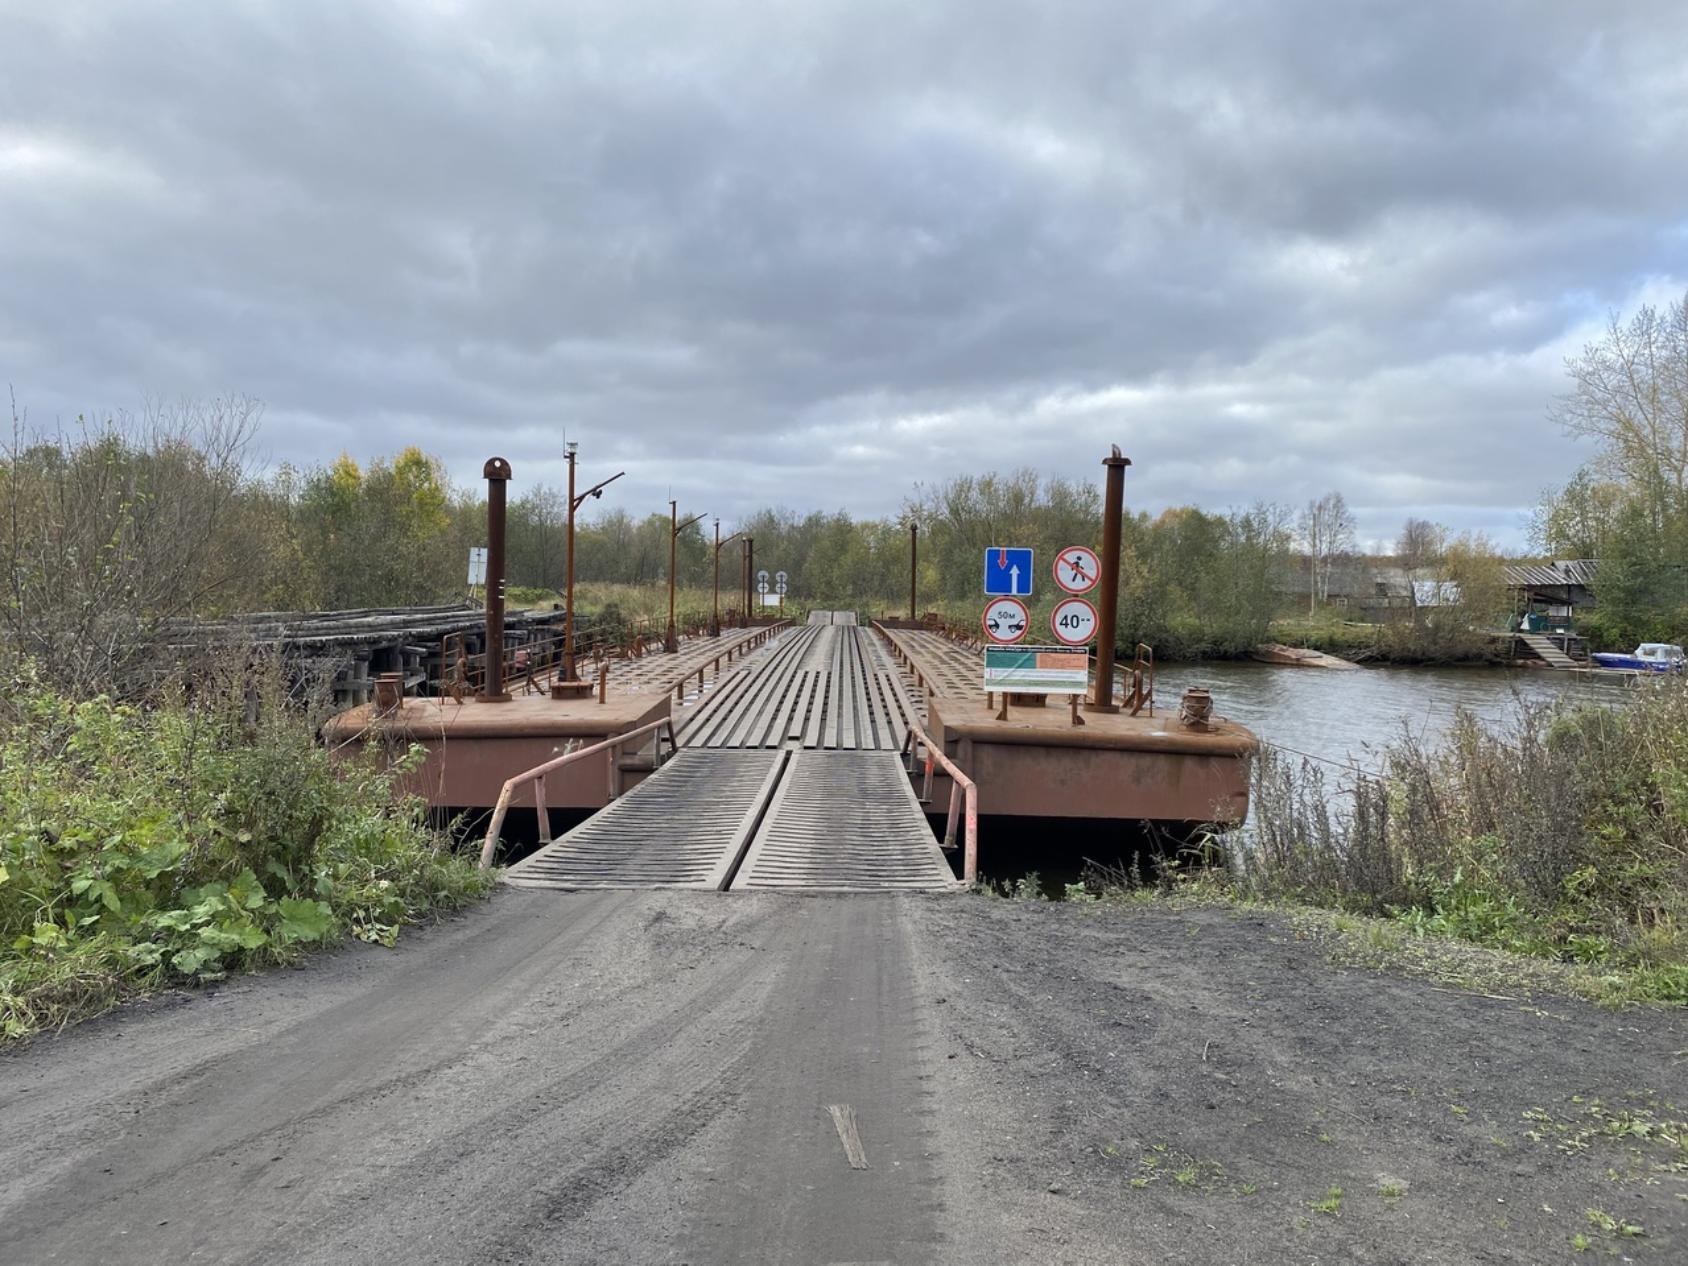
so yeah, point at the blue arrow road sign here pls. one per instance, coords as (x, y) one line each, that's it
(1008, 572)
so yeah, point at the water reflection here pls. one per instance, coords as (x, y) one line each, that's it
(1350, 715)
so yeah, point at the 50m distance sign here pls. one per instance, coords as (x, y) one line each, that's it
(1006, 620)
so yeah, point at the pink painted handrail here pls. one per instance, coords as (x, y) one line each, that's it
(961, 786)
(536, 775)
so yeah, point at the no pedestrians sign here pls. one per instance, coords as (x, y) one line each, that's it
(1077, 569)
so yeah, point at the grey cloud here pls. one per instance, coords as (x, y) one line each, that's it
(811, 253)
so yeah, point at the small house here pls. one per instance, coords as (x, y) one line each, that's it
(1548, 596)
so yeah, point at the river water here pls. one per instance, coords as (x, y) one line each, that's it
(1349, 715)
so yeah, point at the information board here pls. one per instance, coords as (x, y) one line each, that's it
(1054, 670)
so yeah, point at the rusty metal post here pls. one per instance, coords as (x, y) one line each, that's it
(715, 606)
(1113, 505)
(670, 642)
(497, 473)
(913, 564)
(671, 639)
(744, 580)
(750, 575)
(575, 502)
(568, 615)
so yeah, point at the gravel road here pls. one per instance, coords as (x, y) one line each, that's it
(646, 1077)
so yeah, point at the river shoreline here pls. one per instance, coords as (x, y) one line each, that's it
(1348, 717)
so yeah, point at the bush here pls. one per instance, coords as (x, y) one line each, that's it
(1563, 834)
(1623, 632)
(188, 839)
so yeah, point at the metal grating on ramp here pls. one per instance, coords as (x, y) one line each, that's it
(845, 821)
(686, 826)
(820, 687)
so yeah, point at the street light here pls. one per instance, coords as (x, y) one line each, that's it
(671, 640)
(715, 615)
(597, 490)
(913, 564)
(749, 562)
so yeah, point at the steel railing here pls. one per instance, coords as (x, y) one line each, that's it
(541, 657)
(962, 788)
(536, 776)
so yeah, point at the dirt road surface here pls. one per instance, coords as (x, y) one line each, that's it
(646, 1077)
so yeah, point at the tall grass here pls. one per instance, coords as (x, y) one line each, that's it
(1562, 833)
(201, 832)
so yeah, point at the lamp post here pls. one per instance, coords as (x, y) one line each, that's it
(749, 571)
(715, 611)
(671, 640)
(744, 578)
(913, 564)
(597, 490)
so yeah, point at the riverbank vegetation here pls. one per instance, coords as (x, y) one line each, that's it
(192, 834)
(1562, 834)
(114, 529)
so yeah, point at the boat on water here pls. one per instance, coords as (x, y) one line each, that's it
(1297, 657)
(1649, 657)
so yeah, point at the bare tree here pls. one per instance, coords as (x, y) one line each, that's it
(1630, 392)
(113, 528)
(1327, 530)
(1421, 545)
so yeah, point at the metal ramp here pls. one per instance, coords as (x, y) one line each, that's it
(788, 777)
(845, 821)
(1547, 651)
(823, 686)
(686, 826)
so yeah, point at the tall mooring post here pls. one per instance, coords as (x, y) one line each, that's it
(1113, 507)
(497, 472)
(913, 564)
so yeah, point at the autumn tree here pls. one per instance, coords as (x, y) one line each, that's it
(1629, 507)
(112, 528)
(1629, 393)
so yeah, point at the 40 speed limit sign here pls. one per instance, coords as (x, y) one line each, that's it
(1074, 621)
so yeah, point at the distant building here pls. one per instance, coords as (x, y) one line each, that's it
(1436, 593)
(1549, 595)
(1369, 591)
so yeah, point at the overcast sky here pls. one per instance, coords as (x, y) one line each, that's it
(808, 253)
